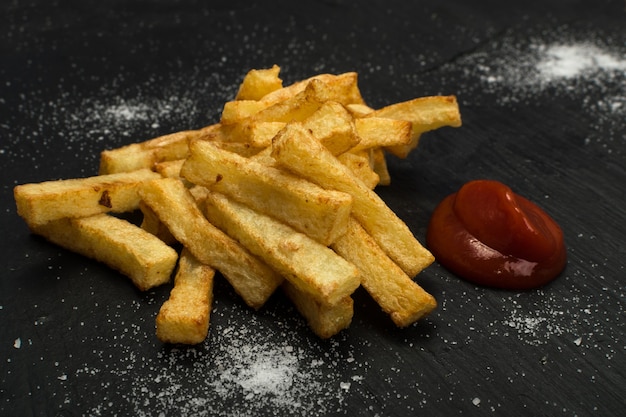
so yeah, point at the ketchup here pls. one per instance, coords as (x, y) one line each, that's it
(488, 235)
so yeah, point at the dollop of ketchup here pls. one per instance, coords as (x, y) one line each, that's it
(488, 235)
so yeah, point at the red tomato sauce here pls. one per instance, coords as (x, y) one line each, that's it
(488, 235)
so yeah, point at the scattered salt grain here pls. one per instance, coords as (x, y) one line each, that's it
(476, 401)
(17, 343)
(578, 341)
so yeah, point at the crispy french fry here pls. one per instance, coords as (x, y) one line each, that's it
(399, 296)
(341, 89)
(308, 208)
(361, 168)
(121, 245)
(425, 114)
(38, 203)
(145, 154)
(326, 320)
(379, 165)
(237, 110)
(251, 278)
(258, 83)
(359, 110)
(376, 132)
(295, 149)
(169, 169)
(184, 317)
(151, 223)
(345, 87)
(307, 264)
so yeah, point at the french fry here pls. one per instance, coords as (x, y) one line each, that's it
(326, 320)
(361, 168)
(399, 296)
(345, 84)
(121, 245)
(184, 317)
(258, 83)
(359, 110)
(38, 203)
(308, 208)
(144, 155)
(425, 114)
(295, 149)
(307, 264)
(379, 165)
(250, 277)
(342, 89)
(238, 110)
(151, 223)
(376, 132)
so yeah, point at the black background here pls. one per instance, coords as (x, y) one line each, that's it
(77, 339)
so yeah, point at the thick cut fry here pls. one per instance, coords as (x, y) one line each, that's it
(326, 320)
(151, 223)
(237, 110)
(321, 214)
(359, 110)
(425, 114)
(121, 245)
(361, 168)
(376, 132)
(145, 154)
(258, 83)
(251, 278)
(345, 84)
(307, 264)
(169, 169)
(184, 317)
(295, 149)
(334, 127)
(298, 107)
(399, 296)
(379, 165)
(38, 203)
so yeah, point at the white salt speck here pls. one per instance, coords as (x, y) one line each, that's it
(62, 377)
(578, 341)
(17, 343)
(476, 401)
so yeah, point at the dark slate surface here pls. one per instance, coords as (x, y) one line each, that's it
(78, 77)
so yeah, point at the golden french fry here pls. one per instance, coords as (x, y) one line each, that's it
(184, 317)
(121, 245)
(425, 114)
(237, 110)
(295, 149)
(326, 320)
(361, 168)
(151, 223)
(318, 90)
(345, 86)
(334, 127)
(145, 154)
(399, 296)
(38, 203)
(379, 165)
(258, 83)
(359, 110)
(376, 132)
(251, 278)
(308, 208)
(169, 169)
(307, 264)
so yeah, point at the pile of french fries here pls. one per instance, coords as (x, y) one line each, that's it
(279, 193)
